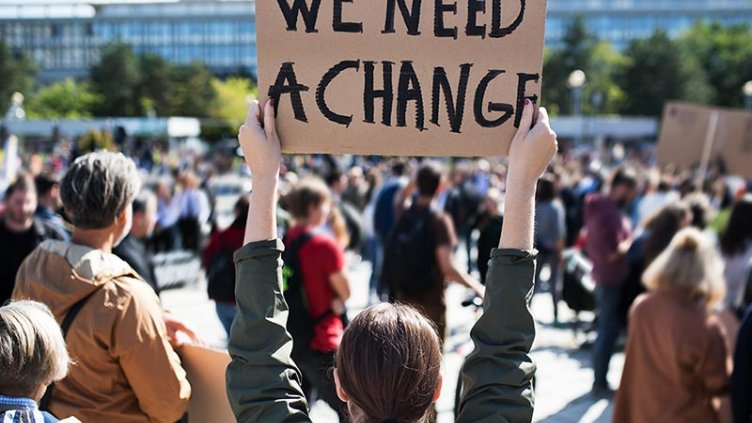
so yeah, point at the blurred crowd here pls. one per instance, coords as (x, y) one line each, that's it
(679, 296)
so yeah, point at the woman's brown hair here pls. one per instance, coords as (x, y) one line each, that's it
(308, 192)
(389, 365)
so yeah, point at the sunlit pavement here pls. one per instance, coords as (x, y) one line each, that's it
(564, 377)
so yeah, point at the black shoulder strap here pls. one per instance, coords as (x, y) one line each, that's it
(44, 403)
(299, 242)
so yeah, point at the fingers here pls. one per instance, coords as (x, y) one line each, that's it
(527, 119)
(543, 117)
(253, 113)
(269, 120)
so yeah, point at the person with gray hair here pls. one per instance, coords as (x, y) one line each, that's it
(126, 368)
(32, 356)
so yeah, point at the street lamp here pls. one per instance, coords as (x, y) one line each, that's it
(747, 90)
(575, 82)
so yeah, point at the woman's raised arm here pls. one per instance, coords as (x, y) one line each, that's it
(263, 383)
(498, 374)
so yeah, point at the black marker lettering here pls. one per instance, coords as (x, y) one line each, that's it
(480, 95)
(370, 94)
(411, 17)
(340, 26)
(409, 90)
(455, 110)
(496, 30)
(473, 8)
(439, 30)
(300, 7)
(324, 84)
(287, 83)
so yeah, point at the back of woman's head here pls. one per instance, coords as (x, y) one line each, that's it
(309, 192)
(32, 349)
(663, 226)
(690, 265)
(389, 364)
(738, 233)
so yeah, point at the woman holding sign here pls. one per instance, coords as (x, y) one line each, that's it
(388, 363)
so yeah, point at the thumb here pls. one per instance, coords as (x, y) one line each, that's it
(270, 124)
(527, 120)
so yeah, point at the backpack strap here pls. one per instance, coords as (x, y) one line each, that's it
(44, 403)
(299, 242)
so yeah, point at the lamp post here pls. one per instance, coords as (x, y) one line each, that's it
(575, 82)
(747, 91)
(15, 113)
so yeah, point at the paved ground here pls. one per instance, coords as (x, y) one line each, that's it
(563, 379)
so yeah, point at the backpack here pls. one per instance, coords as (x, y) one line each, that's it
(578, 290)
(300, 323)
(220, 274)
(410, 255)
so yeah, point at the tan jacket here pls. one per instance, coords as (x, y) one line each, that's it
(676, 362)
(125, 369)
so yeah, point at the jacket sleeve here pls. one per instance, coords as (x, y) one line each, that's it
(713, 367)
(263, 383)
(498, 373)
(146, 356)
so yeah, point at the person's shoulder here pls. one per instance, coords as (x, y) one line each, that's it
(440, 217)
(322, 239)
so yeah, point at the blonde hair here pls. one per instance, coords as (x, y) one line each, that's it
(32, 349)
(690, 265)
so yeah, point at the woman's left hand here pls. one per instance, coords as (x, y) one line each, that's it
(260, 143)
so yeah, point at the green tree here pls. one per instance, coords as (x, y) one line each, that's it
(231, 104)
(576, 53)
(17, 72)
(116, 81)
(192, 93)
(63, 100)
(602, 94)
(725, 54)
(658, 70)
(156, 85)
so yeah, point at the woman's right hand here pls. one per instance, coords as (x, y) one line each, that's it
(260, 143)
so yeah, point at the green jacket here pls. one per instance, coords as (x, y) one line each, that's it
(263, 383)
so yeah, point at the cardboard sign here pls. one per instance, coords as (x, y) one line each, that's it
(400, 77)
(205, 369)
(690, 132)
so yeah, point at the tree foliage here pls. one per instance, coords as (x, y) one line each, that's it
(659, 70)
(116, 80)
(62, 100)
(725, 55)
(17, 72)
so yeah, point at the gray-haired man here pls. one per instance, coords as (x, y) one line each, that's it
(126, 369)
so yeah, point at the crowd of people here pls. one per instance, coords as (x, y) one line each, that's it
(671, 255)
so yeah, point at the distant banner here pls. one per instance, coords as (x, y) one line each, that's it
(400, 77)
(689, 132)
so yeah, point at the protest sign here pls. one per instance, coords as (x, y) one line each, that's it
(693, 136)
(205, 368)
(400, 77)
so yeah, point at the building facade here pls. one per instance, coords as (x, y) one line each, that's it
(66, 40)
(620, 21)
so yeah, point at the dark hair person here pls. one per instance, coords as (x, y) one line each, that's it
(387, 366)
(736, 246)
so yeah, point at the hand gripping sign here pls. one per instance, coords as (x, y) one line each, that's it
(400, 77)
